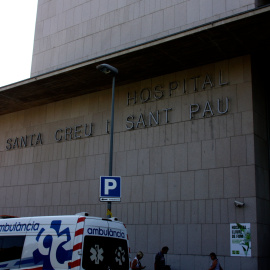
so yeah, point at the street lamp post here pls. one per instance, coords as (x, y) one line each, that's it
(110, 70)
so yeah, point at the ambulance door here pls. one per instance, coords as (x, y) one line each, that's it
(95, 245)
(119, 248)
(12, 239)
(105, 247)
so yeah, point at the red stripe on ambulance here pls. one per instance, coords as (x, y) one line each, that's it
(77, 246)
(79, 232)
(76, 263)
(77, 243)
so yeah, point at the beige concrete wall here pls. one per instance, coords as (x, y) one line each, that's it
(179, 177)
(71, 31)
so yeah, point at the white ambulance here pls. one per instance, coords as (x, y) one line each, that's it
(63, 242)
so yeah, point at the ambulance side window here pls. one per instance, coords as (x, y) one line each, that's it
(11, 248)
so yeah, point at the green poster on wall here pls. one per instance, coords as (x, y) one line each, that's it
(240, 239)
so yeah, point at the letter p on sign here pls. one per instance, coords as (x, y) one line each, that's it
(110, 184)
(110, 188)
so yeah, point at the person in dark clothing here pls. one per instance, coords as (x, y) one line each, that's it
(160, 259)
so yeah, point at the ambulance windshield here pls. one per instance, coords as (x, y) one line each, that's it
(100, 253)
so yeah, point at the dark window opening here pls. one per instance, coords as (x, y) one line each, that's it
(11, 248)
(260, 3)
(100, 253)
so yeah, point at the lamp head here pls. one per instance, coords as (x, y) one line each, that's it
(107, 69)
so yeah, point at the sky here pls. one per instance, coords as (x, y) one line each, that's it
(17, 28)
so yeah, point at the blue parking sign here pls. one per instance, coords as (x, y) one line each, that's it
(110, 188)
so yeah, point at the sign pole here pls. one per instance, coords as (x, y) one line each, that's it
(109, 204)
(110, 70)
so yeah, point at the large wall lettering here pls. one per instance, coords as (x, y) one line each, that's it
(24, 141)
(185, 86)
(202, 109)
